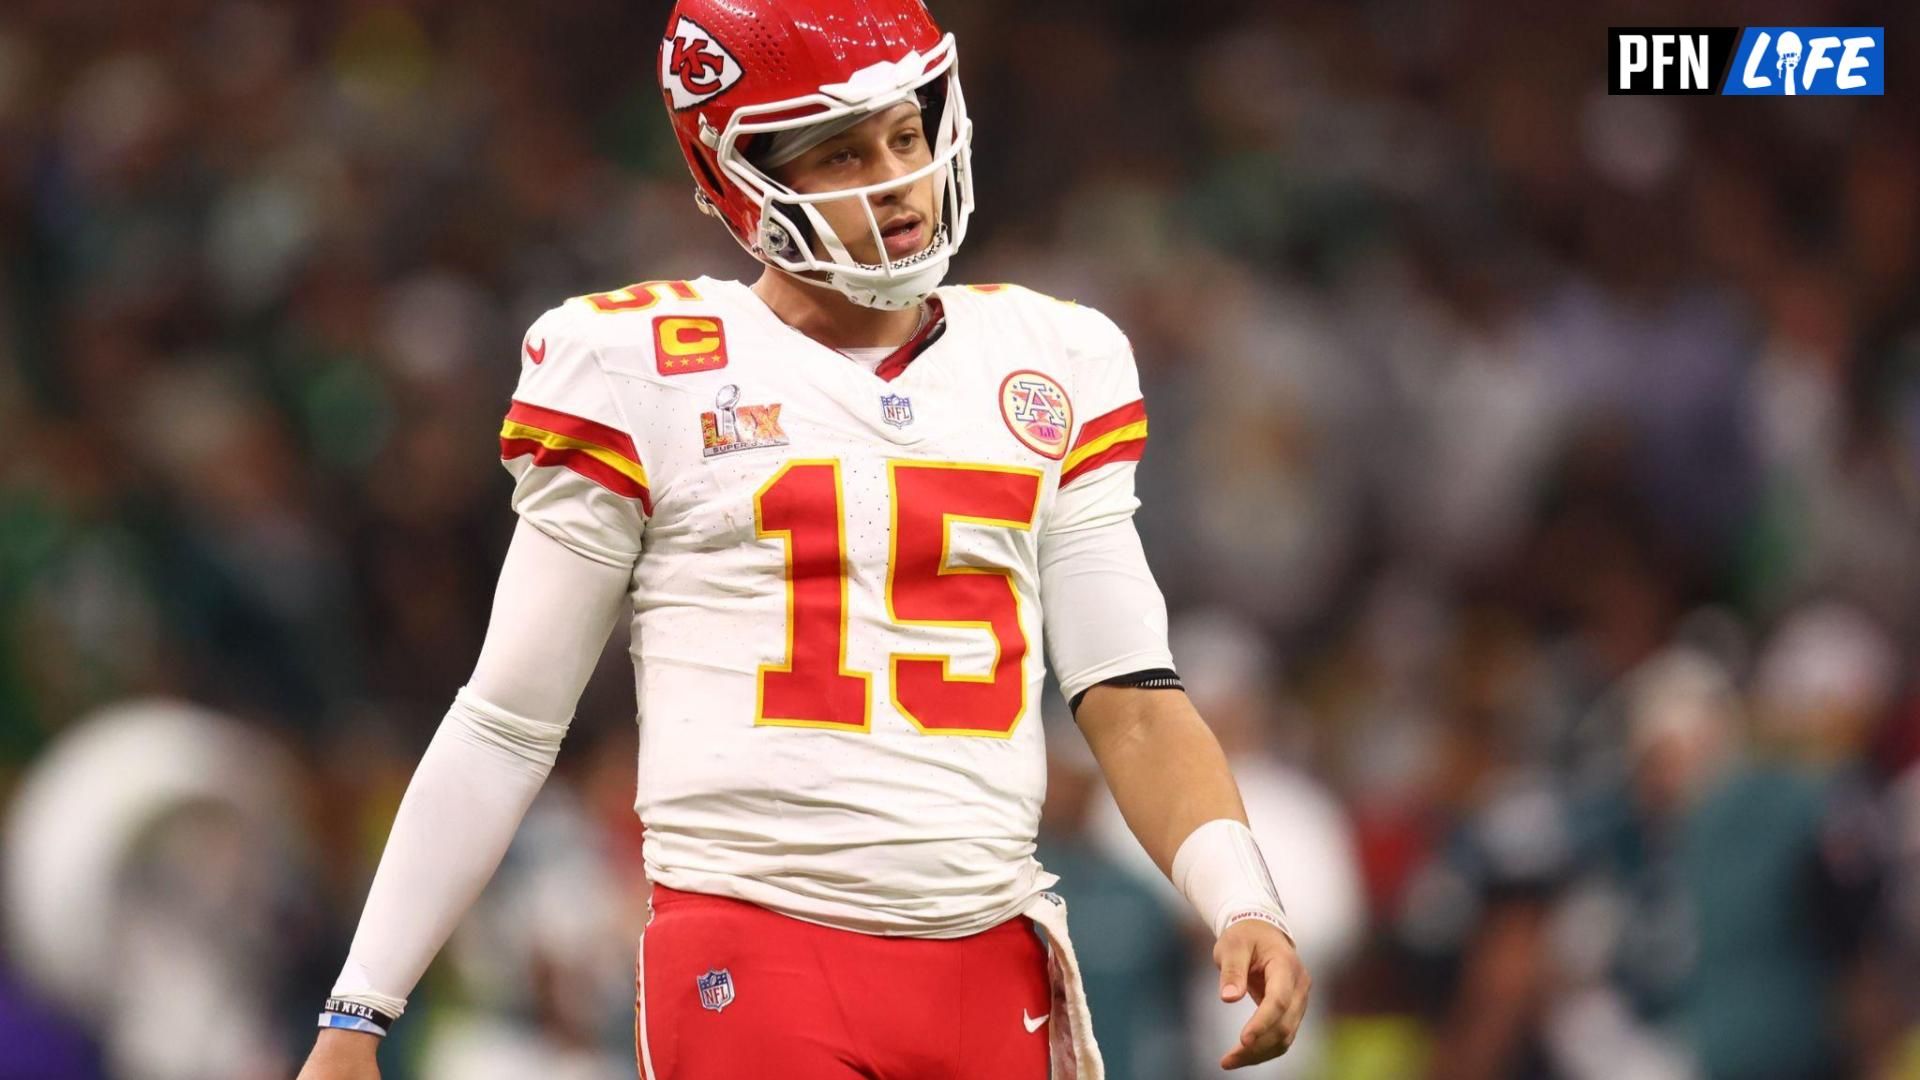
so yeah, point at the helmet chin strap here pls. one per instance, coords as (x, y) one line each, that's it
(894, 294)
(904, 291)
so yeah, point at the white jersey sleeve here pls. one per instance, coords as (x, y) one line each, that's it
(1096, 476)
(1104, 613)
(578, 475)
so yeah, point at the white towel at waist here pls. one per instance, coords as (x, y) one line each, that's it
(1075, 1056)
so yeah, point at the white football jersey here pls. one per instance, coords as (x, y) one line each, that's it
(837, 627)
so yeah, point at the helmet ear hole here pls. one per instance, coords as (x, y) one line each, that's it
(787, 236)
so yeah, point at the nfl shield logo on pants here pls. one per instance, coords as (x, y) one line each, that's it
(716, 989)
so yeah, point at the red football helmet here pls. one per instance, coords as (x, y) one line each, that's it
(732, 70)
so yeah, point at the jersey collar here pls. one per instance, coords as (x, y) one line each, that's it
(897, 361)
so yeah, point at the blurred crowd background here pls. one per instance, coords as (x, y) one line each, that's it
(1535, 480)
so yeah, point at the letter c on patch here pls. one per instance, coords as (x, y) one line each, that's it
(685, 344)
(688, 337)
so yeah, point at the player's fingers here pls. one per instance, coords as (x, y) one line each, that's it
(1273, 984)
(1269, 1032)
(1262, 1029)
(1265, 1045)
(1296, 1013)
(1233, 955)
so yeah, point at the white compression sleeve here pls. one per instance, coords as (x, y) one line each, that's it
(1220, 870)
(1103, 612)
(552, 612)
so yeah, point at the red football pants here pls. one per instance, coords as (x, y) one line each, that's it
(728, 990)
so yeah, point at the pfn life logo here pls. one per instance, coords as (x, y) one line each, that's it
(1789, 61)
(1808, 60)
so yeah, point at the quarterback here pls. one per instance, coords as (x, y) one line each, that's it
(847, 510)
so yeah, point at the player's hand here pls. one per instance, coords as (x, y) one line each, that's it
(1256, 958)
(342, 1055)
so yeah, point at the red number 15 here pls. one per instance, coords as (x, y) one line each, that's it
(813, 687)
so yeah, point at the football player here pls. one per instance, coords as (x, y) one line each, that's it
(842, 507)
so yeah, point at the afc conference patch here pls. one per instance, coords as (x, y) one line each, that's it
(716, 989)
(1037, 411)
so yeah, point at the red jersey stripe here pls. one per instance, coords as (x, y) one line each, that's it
(1128, 450)
(580, 462)
(1130, 413)
(574, 427)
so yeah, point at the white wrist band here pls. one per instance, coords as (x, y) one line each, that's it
(1219, 870)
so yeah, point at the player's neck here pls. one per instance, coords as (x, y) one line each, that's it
(830, 318)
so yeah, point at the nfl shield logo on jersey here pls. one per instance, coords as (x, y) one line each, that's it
(716, 989)
(896, 410)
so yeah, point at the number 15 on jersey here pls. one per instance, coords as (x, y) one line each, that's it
(802, 506)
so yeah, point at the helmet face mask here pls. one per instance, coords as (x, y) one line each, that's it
(784, 228)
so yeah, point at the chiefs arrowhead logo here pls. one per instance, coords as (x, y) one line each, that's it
(537, 354)
(694, 67)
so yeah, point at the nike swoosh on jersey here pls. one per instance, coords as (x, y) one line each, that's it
(1033, 1023)
(539, 354)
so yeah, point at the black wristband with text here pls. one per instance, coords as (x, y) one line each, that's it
(365, 1012)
